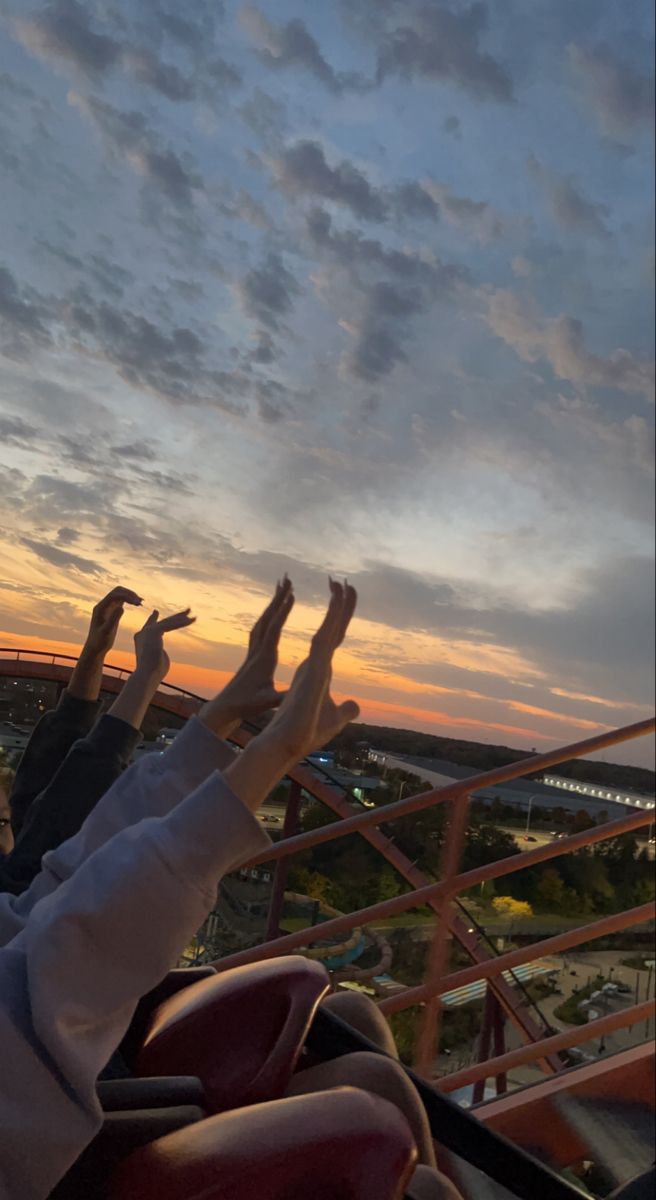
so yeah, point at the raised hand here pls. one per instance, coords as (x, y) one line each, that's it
(252, 691)
(86, 676)
(105, 619)
(152, 659)
(131, 704)
(308, 716)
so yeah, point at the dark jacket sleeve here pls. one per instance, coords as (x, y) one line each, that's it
(51, 740)
(89, 769)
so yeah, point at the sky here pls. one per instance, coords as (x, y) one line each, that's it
(364, 288)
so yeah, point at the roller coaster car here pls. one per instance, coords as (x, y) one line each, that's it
(204, 1043)
(202, 1116)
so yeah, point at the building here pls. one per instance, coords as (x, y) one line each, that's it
(522, 793)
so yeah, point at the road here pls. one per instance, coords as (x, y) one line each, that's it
(272, 815)
(539, 837)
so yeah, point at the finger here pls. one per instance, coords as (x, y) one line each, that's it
(325, 637)
(114, 618)
(271, 612)
(120, 595)
(350, 601)
(271, 636)
(152, 619)
(342, 715)
(263, 619)
(179, 620)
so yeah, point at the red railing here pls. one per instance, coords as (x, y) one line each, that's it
(439, 895)
(66, 662)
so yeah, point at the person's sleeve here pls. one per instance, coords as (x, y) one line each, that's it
(90, 951)
(50, 742)
(91, 766)
(151, 787)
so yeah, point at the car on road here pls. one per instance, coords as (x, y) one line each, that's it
(529, 838)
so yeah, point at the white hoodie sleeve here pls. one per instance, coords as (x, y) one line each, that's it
(152, 786)
(70, 981)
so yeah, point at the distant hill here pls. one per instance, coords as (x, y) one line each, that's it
(485, 757)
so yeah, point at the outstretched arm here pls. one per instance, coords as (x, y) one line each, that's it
(308, 717)
(93, 763)
(156, 783)
(73, 977)
(76, 712)
(252, 692)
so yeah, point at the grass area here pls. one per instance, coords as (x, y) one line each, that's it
(293, 924)
(404, 921)
(637, 962)
(569, 1011)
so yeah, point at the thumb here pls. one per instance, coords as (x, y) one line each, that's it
(348, 711)
(152, 619)
(342, 714)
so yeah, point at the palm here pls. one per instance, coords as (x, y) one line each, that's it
(252, 691)
(309, 717)
(149, 642)
(106, 617)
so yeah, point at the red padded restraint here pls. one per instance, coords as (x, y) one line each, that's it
(343, 1144)
(240, 1032)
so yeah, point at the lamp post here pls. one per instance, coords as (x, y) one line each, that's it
(528, 815)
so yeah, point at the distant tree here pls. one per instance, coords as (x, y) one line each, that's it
(486, 844)
(310, 883)
(550, 891)
(643, 891)
(582, 821)
(507, 906)
(497, 808)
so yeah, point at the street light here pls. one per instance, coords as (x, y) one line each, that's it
(531, 798)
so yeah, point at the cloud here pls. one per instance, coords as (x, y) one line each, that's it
(265, 115)
(141, 451)
(194, 35)
(164, 78)
(63, 35)
(63, 32)
(302, 170)
(357, 253)
(15, 431)
(389, 288)
(413, 200)
(434, 42)
(62, 558)
(451, 125)
(568, 206)
(581, 641)
(621, 96)
(23, 317)
(292, 45)
(384, 322)
(128, 135)
(561, 342)
(475, 217)
(171, 362)
(267, 292)
(67, 536)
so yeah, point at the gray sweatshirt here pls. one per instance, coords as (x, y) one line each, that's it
(108, 916)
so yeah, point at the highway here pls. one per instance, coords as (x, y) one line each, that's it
(539, 837)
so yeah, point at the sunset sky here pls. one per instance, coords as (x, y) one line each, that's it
(362, 287)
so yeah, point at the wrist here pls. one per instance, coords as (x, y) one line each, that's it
(91, 655)
(220, 717)
(147, 677)
(259, 767)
